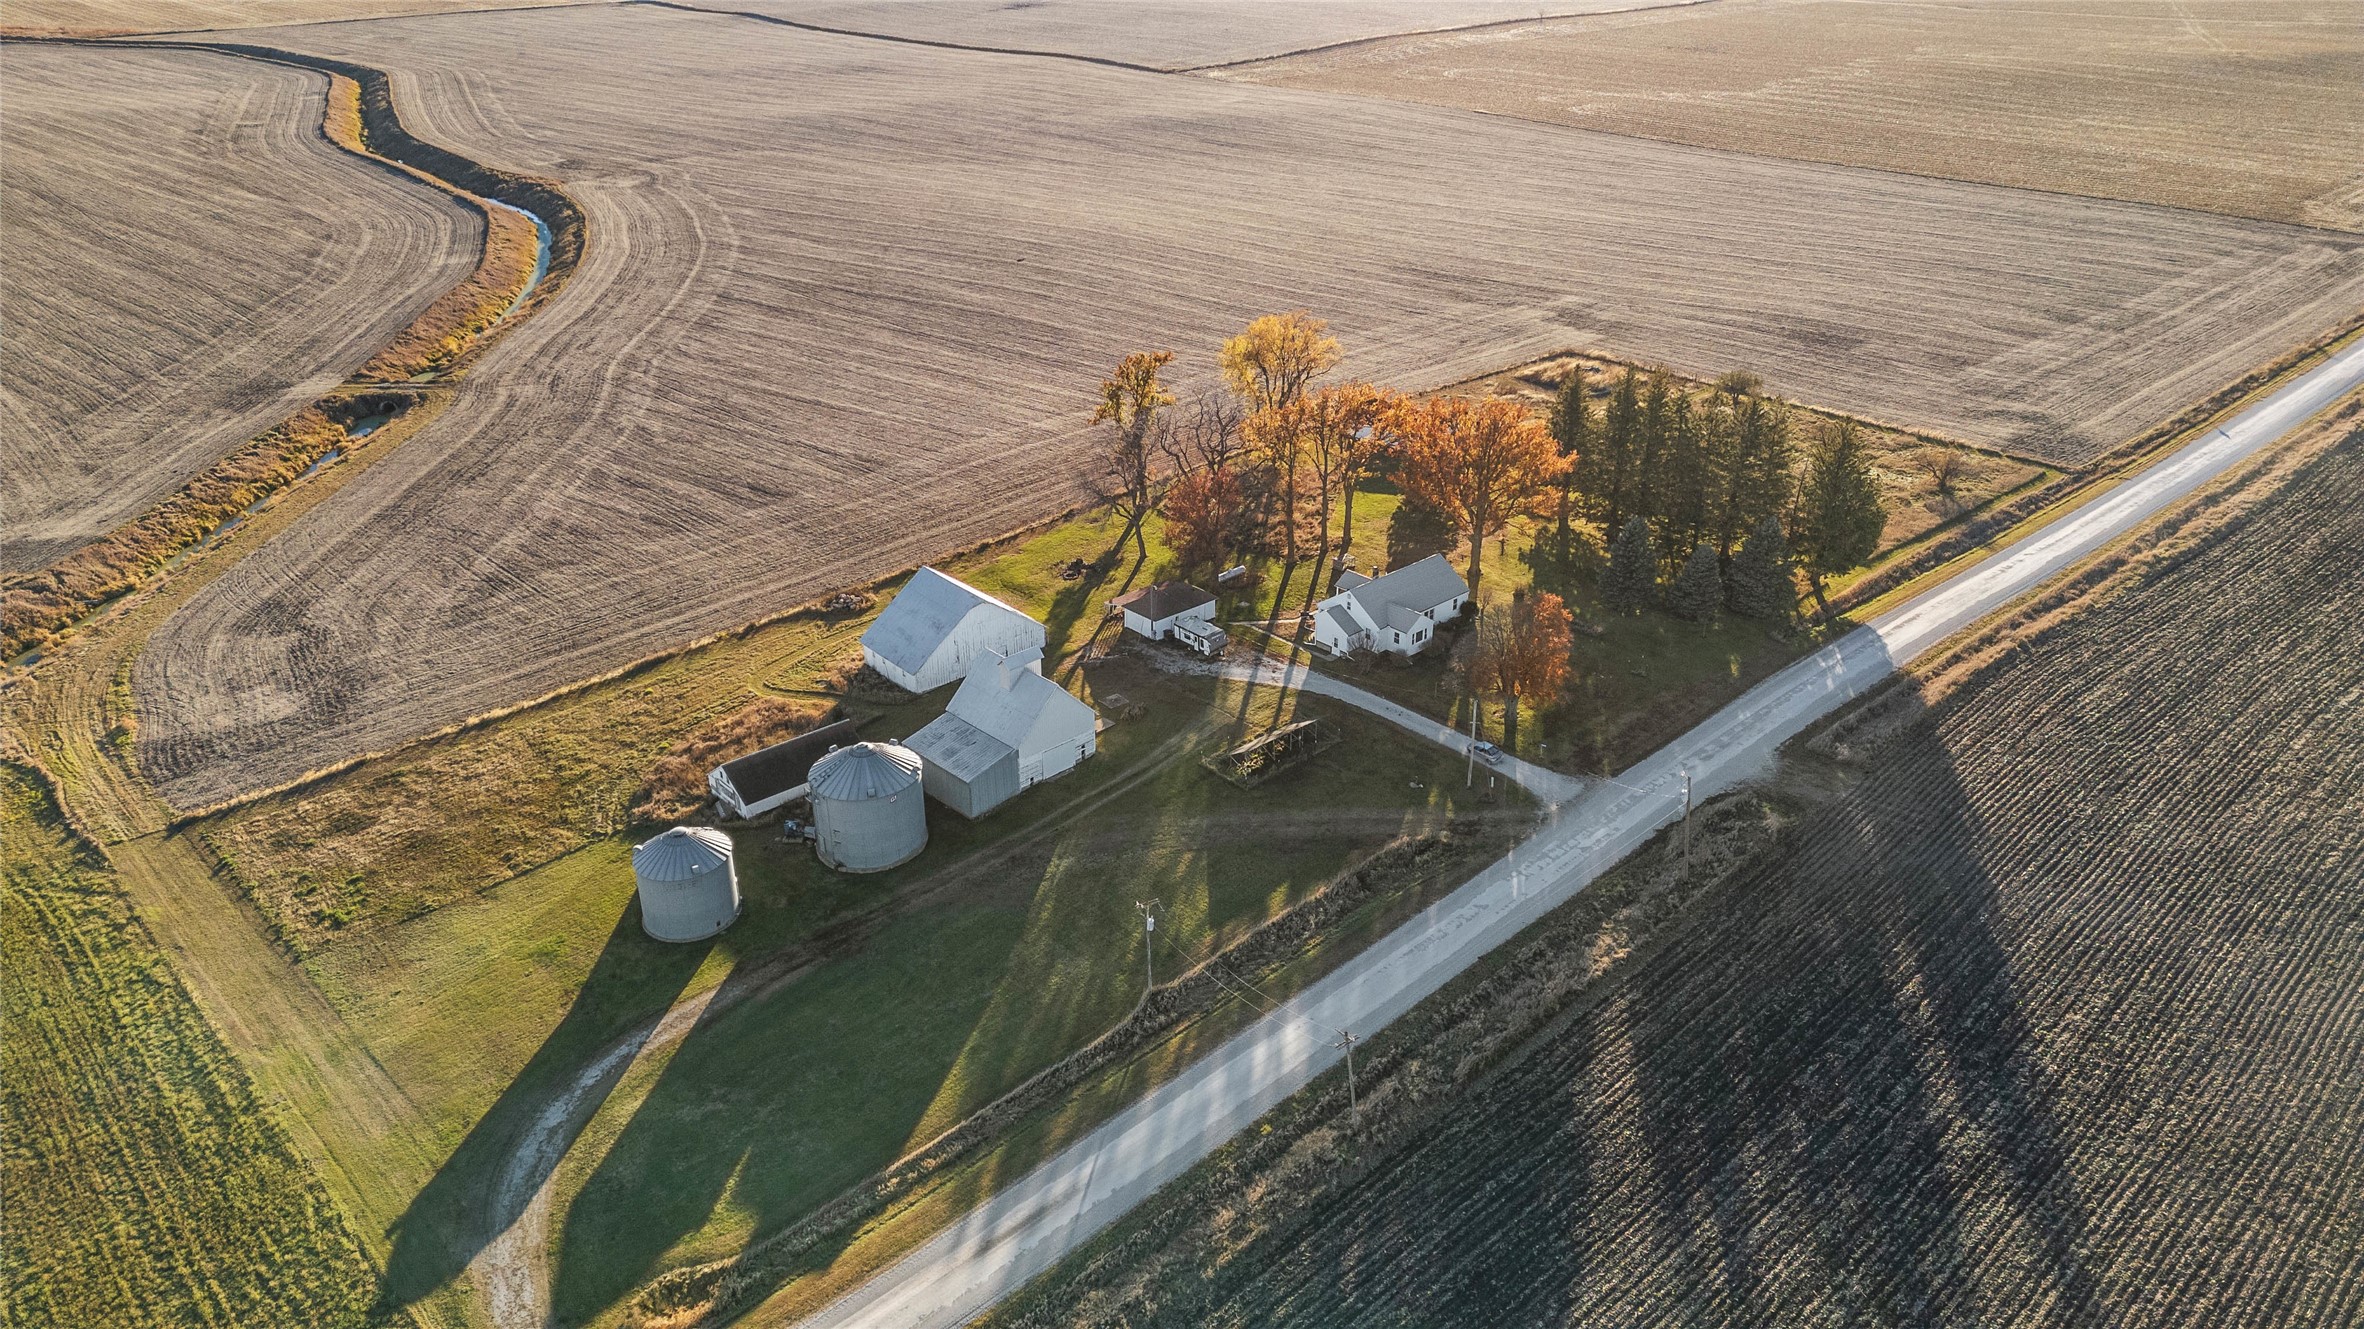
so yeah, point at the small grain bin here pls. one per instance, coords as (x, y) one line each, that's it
(689, 889)
(869, 812)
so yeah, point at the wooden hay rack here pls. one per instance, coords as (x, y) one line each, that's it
(1267, 755)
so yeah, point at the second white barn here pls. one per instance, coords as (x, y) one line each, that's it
(1007, 728)
(936, 626)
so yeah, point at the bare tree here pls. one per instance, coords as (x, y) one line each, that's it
(1124, 473)
(1945, 467)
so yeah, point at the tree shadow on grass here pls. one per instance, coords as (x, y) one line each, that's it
(463, 1207)
(1819, 1098)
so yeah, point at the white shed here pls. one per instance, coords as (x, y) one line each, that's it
(1154, 611)
(936, 626)
(1008, 728)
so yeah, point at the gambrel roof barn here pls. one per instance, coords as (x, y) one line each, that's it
(936, 626)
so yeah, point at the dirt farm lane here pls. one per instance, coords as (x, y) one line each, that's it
(1053, 1210)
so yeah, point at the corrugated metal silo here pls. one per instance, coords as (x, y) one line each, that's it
(869, 812)
(689, 888)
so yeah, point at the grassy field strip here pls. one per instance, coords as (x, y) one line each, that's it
(371, 1147)
(1026, 1228)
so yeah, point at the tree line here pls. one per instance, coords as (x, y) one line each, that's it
(1263, 466)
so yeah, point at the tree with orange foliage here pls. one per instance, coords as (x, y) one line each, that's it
(1347, 432)
(1521, 653)
(1125, 472)
(1478, 462)
(1204, 510)
(1270, 364)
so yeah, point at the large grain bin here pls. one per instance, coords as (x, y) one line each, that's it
(688, 888)
(869, 812)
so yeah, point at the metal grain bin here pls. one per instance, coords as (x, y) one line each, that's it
(689, 889)
(869, 812)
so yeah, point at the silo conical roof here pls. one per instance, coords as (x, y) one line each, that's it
(864, 771)
(681, 853)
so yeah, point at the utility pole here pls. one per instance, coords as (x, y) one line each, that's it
(1353, 1101)
(1148, 910)
(1471, 779)
(1686, 825)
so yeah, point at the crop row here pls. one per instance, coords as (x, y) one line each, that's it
(145, 1183)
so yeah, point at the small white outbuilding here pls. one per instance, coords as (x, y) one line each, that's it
(936, 626)
(1008, 728)
(1174, 611)
(689, 887)
(869, 810)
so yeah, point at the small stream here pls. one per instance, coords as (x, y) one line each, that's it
(543, 240)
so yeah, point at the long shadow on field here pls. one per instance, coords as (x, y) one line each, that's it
(1818, 1101)
(464, 1206)
(778, 1103)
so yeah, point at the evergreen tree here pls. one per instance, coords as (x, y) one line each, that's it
(1763, 585)
(1684, 482)
(1698, 590)
(1840, 515)
(1571, 426)
(1647, 495)
(1630, 584)
(1755, 475)
(1604, 471)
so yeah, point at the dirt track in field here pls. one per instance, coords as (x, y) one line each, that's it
(2054, 1020)
(2249, 107)
(148, 337)
(848, 322)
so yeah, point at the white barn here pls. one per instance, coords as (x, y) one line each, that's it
(936, 626)
(1398, 612)
(1008, 728)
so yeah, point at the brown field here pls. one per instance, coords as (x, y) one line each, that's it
(1162, 34)
(819, 337)
(109, 17)
(2050, 1018)
(2249, 107)
(149, 338)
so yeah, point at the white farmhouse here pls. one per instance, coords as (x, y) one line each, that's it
(1007, 728)
(1398, 612)
(936, 626)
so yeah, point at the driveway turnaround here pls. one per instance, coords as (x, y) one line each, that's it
(1064, 1202)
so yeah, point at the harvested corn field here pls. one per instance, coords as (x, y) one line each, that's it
(109, 17)
(821, 337)
(1162, 34)
(2051, 1020)
(2249, 107)
(146, 1182)
(150, 336)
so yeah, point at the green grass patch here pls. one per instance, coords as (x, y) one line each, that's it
(145, 1184)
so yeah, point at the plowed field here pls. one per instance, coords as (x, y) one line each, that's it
(849, 320)
(2057, 1018)
(1164, 34)
(2251, 107)
(148, 334)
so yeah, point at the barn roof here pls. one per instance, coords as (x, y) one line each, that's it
(783, 766)
(922, 614)
(1164, 600)
(958, 748)
(1006, 699)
